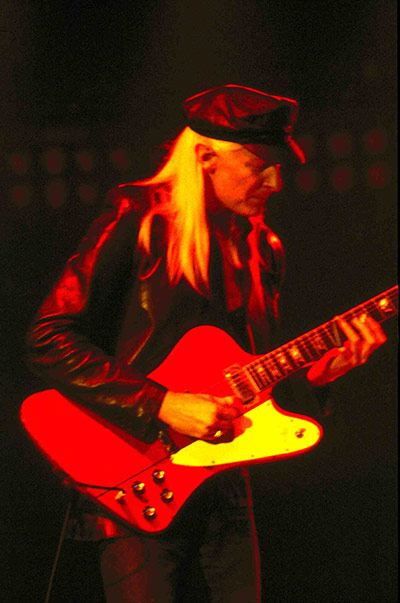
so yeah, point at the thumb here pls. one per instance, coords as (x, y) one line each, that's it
(232, 402)
(319, 369)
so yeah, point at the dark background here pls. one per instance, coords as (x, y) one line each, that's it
(109, 78)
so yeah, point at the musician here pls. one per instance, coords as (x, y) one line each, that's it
(186, 247)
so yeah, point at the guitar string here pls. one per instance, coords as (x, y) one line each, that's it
(310, 343)
(308, 338)
(282, 362)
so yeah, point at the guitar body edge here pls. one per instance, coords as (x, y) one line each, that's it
(89, 450)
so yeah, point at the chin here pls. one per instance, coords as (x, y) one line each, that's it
(255, 211)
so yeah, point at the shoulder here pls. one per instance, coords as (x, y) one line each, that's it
(128, 199)
(117, 222)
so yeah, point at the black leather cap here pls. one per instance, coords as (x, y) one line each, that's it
(246, 116)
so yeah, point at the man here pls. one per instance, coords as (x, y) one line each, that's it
(184, 248)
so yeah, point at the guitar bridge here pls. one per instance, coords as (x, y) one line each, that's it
(167, 441)
(239, 383)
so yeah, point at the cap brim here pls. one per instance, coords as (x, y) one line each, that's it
(289, 152)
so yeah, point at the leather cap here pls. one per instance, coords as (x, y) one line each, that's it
(249, 117)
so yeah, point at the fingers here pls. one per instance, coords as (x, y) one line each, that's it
(370, 330)
(198, 415)
(363, 337)
(218, 430)
(367, 329)
(321, 372)
(227, 409)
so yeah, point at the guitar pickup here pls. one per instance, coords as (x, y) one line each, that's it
(239, 383)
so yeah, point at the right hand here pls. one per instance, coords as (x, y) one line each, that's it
(199, 415)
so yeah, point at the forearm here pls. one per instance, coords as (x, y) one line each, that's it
(70, 363)
(71, 341)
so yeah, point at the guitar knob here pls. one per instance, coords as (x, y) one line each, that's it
(120, 496)
(139, 488)
(150, 513)
(158, 475)
(167, 495)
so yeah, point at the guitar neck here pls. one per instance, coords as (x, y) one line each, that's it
(269, 369)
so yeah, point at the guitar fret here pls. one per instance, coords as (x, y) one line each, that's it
(283, 363)
(308, 349)
(385, 307)
(262, 374)
(264, 365)
(319, 344)
(277, 364)
(256, 377)
(274, 369)
(333, 337)
(296, 356)
(379, 308)
(252, 378)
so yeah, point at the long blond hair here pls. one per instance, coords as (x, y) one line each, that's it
(177, 192)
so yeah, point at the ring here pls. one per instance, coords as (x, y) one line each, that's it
(217, 434)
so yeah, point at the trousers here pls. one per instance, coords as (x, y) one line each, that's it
(210, 555)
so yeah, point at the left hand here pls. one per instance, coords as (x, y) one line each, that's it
(361, 341)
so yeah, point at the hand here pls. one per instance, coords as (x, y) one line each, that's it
(362, 340)
(199, 415)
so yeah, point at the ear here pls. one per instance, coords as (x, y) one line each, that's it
(207, 157)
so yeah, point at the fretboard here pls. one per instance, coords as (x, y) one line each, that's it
(265, 371)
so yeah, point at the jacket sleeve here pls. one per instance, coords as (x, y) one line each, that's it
(65, 345)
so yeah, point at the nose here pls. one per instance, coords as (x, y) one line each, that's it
(272, 178)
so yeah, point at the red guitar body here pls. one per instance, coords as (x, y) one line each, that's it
(91, 452)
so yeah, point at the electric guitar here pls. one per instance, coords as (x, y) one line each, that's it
(146, 485)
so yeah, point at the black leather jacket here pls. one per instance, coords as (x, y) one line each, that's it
(112, 317)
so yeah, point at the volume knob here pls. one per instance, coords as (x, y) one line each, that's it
(149, 513)
(139, 488)
(158, 475)
(167, 495)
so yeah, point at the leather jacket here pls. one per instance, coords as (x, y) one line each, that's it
(113, 316)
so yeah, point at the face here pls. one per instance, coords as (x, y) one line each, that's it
(241, 182)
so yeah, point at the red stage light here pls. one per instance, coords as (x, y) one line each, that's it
(307, 181)
(56, 193)
(120, 160)
(54, 161)
(340, 144)
(342, 178)
(21, 195)
(87, 193)
(19, 163)
(378, 175)
(375, 141)
(85, 160)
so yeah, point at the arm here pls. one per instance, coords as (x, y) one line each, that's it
(66, 343)
(364, 336)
